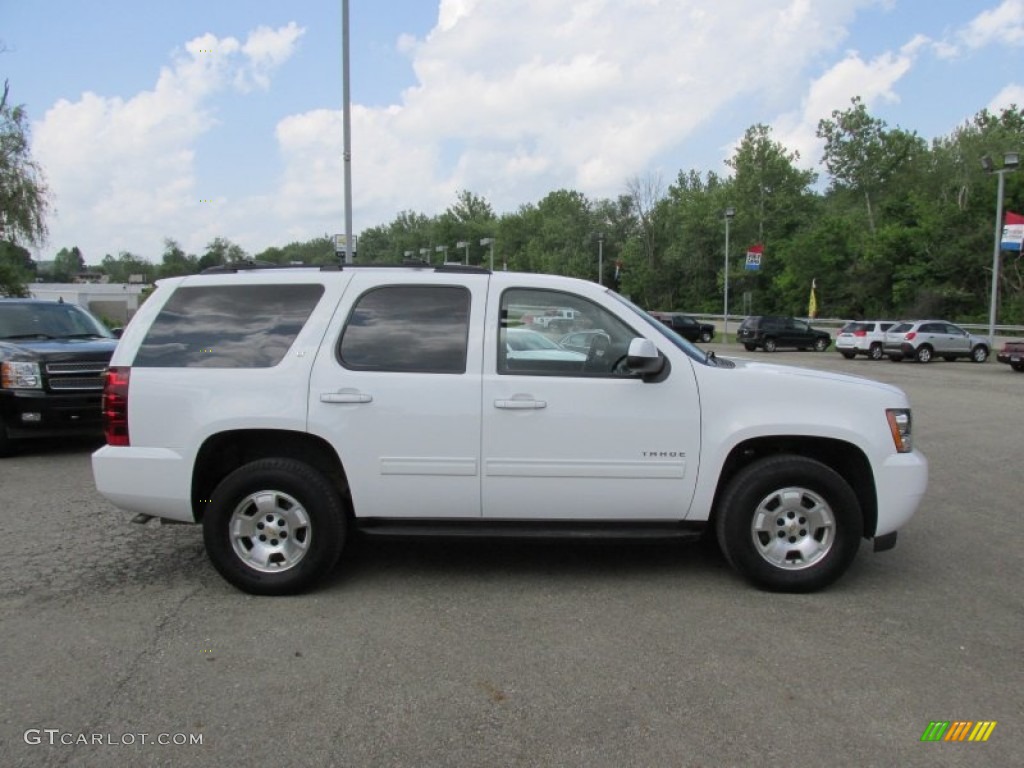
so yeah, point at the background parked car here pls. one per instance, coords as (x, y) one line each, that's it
(580, 341)
(863, 337)
(53, 357)
(1012, 354)
(690, 328)
(524, 344)
(924, 340)
(769, 332)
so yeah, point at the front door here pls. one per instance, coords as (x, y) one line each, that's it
(568, 436)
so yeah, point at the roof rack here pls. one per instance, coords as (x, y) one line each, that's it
(249, 264)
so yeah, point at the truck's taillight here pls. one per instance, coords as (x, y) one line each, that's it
(115, 405)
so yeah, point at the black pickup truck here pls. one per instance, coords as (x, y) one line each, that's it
(53, 356)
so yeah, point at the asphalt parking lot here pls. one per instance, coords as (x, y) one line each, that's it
(473, 653)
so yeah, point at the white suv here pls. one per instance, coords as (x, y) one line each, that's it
(863, 337)
(284, 409)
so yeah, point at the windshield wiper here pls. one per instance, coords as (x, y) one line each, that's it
(84, 336)
(30, 336)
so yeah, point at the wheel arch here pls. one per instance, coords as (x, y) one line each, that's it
(222, 453)
(845, 458)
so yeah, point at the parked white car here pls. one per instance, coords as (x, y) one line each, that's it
(863, 337)
(283, 409)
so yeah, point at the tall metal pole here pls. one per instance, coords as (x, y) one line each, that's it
(600, 258)
(347, 121)
(996, 248)
(729, 213)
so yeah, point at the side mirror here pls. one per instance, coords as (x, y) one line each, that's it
(117, 332)
(643, 358)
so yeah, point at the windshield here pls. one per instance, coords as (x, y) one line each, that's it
(30, 320)
(692, 351)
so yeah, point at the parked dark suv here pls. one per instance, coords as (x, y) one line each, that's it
(769, 332)
(52, 360)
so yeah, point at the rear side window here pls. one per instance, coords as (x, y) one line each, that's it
(408, 328)
(227, 326)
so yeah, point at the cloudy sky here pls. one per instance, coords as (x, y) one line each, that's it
(197, 119)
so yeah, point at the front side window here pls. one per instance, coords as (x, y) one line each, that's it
(408, 328)
(593, 342)
(227, 326)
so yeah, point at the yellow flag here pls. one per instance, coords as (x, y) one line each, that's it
(812, 305)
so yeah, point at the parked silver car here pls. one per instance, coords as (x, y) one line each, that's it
(924, 340)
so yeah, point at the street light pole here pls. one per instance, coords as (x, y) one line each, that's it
(729, 213)
(600, 258)
(346, 131)
(464, 244)
(489, 241)
(1010, 162)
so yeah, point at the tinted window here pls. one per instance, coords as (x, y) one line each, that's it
(408, 328)
(901, 328)
(227, 326)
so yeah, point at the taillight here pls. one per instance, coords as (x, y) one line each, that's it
(861, 334)
(910, 336)
(115, 405)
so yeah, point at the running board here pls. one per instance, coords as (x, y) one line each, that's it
(529, 529)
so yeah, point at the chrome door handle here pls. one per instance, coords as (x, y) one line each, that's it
(345, 396)
(520, 404)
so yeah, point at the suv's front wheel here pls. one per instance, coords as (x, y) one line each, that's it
(789, 523)
(274, 526)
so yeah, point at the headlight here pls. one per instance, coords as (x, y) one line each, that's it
(15, 375)
(899, 425)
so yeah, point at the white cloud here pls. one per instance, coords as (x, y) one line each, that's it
(514, 100)
(1011, 95)
(122, 169)
(872, 80)
(1003, 24)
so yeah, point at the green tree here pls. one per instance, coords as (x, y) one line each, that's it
(220, 251)
(125, 265)
(24, 199)
(16, 269)
(67, 264)
(175, 261)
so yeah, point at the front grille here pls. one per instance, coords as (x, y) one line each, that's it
(77, 383)
(96, 367)
(84, 376)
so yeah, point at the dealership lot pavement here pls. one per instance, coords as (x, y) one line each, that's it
(475, 653)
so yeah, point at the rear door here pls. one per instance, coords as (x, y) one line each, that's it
(395, 388)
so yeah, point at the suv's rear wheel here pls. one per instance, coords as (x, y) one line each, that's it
(849, 355)
(705, 336)
(789, 523)
(769, 345)
(820, 345)
(274, 526)
(749, 347)
(924, 354)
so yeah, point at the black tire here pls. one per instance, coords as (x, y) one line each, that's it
(803, 493)
(769, 345)
(1018, 367)
(949, 358)
(849, 355)
(979, 354)
(300, 504)
(875, 352)
(896, 358)
(923, 354)
(750, 347)
(6, 443)
(820, 345)
(705, 336)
